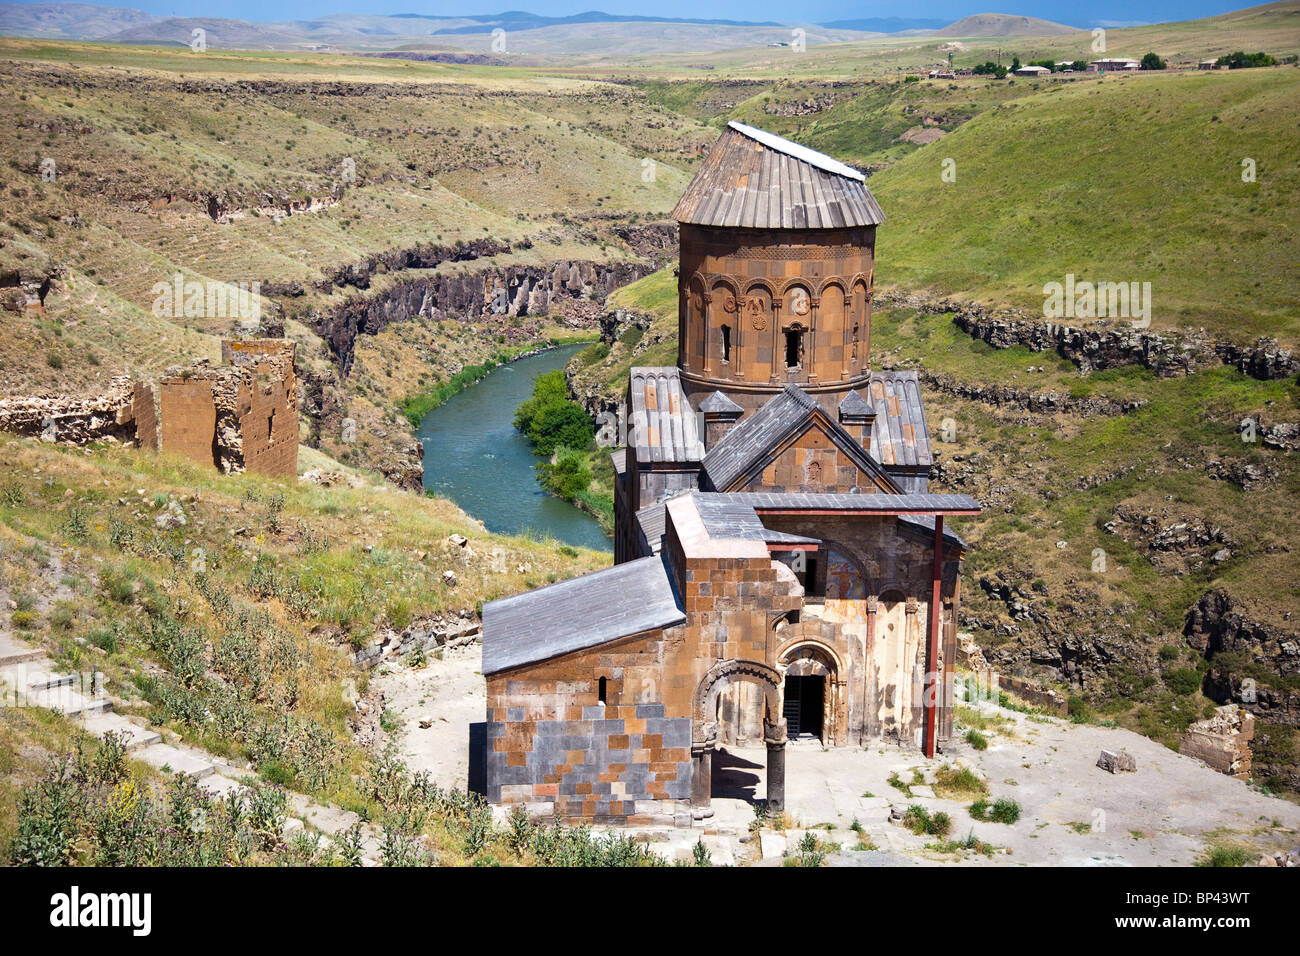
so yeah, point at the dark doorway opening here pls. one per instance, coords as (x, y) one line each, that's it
(804, 699)
(793, 348)
(726, 343)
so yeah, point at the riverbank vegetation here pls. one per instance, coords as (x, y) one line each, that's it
(576, 469)
(419, 405)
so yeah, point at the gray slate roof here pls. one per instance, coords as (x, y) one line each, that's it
(855, 406)
(899, 433)
(925, 525)
(717, 402)
(798, 500)
(627, 599)
(724, 516)
(664, 422)
(753, 179)
(748, 443)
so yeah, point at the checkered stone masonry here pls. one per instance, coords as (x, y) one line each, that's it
(615, 764)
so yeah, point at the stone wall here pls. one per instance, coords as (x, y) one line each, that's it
(63, 418)
(741, 291)
(188, 418)
(552, 746)
(1223, 741)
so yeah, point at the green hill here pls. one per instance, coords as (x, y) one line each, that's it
(1135, 178)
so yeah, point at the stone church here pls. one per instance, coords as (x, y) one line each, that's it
(781, 569)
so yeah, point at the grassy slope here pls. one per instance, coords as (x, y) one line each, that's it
(548, 160)
(1131, 179)
(329, 566)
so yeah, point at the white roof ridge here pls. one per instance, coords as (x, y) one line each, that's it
(801, 153)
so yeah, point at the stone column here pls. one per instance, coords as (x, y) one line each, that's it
(702, 774)
(774, 737)
(810, 364)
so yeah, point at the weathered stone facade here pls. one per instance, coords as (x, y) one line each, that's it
(760, 308)
(239, 416)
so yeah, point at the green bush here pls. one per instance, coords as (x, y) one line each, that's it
(977, 739)
(1183, 680)
(1002, 810)
(550, 419)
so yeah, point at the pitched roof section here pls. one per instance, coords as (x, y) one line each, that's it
(863, 504)
(899, 435)
(753, 179)
(719, 403)
(663, 420)
(725, 517)
(749, 443)
(855, 406)
(573, 615)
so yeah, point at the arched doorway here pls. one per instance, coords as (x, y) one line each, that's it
(811, 691)
(704, 727)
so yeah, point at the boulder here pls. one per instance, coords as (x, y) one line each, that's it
(1116, 761)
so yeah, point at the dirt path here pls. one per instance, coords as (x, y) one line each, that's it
(447, 695)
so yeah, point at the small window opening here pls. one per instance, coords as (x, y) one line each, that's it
(602, 691)
(793, 348)
(270, 426)
(726, 343)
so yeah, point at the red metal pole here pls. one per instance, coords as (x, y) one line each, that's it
(932, 677)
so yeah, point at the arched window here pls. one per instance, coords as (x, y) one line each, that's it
(726, 343)
(794, 347)
(603, 691)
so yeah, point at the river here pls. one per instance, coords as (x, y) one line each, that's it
(474, 456)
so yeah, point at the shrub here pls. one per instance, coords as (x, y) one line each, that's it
(956, 782)
(1003, 810)
(1222, 855)
(919, 821)
(1183, 680)
(977, 739)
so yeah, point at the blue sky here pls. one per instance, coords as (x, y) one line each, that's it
(1103, 12)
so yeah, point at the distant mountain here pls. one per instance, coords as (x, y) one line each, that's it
(592, 32)
(1004, 25)
(69, 21)
(532, 33)
(521, 20)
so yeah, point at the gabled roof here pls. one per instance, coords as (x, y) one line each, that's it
(719, 403)
(899, 434)
(573, 615)
(855, 406)
(663, 420)
(747, 446)
(753, 179)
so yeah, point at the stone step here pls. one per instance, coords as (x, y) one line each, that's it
(221, 785)
(66, 701)
(137, 737)
(47, 680)
(178, 761)
(14, 651)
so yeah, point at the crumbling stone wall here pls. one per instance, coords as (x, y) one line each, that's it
(242, 415)
(188, 418)
(265, 405)
(63, 418)
(1223, 741)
